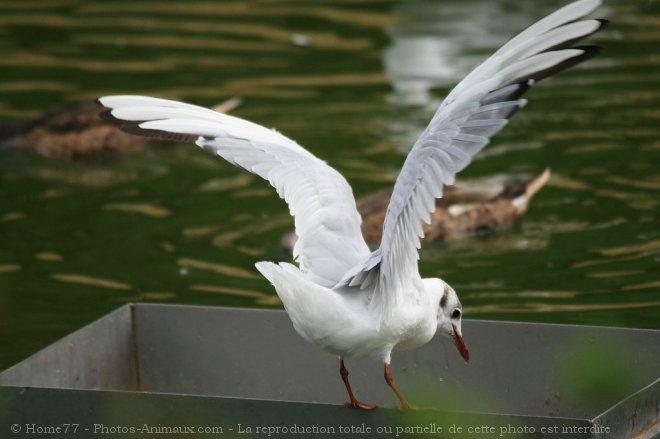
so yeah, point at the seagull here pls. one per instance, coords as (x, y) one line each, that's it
(341, 296)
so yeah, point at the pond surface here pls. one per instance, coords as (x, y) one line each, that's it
(355, 82)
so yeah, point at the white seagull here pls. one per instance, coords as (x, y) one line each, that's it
(341, 296)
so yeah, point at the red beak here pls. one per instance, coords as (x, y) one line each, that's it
(460, 345)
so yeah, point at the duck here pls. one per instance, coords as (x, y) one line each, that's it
(468, 208)
(76, 131)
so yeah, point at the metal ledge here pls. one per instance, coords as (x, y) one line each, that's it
(226, 366)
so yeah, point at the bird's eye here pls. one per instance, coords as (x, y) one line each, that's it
(456, 314)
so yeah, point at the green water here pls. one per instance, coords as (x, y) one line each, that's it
(172, 224)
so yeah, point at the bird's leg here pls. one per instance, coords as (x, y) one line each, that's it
(405, 405)
(354, 401)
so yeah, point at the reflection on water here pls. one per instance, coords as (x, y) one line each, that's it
(224, 269)
(260, 298)
(600, 274)
(6, 268)
(95, 178)
(253, 227)
(646, 285)
(12, 216)
(427, 48)
(89, 280)
(219, 184)
(592, 262)
(148, 295)
(48, 256)
(355, 83)
(146, 209)
(652, 246)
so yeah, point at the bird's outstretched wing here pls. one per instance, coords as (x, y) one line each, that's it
(477, 108)
(326, 219)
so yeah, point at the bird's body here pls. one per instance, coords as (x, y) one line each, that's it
(343, 297)
(342, 322)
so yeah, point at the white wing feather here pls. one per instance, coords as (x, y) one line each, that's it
(477, 108)
(326, 219)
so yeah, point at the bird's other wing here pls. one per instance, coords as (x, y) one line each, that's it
(321, 201)
(477, 108)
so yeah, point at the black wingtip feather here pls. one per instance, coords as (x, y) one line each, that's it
(134, 128)
(524, 86)
(568, 43)
(587, 52)
(501, 95)
(107, 115)
(603, 23)
(590, 50)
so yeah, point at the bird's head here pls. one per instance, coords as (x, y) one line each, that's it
(450, 313)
